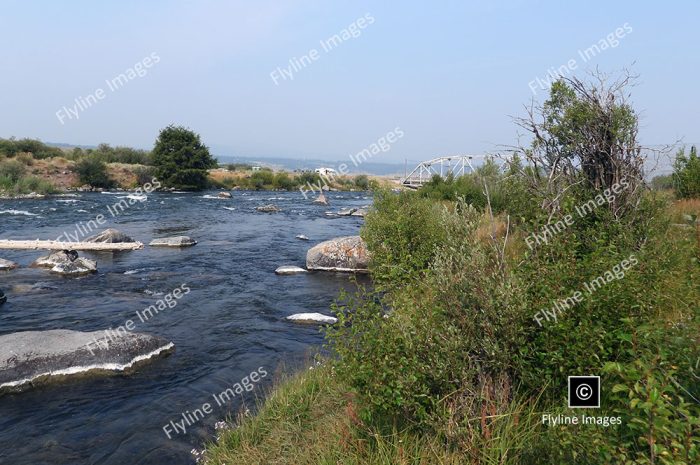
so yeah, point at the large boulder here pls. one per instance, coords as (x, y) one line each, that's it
(31, 357)
(66, 262)
(6, 265)
(110, 236)
(340, 254)
(177, 241)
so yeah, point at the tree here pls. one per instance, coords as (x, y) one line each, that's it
(686, 174)
(181, 160)
(585, 135)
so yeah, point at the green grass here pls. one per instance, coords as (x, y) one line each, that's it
(25, 185)
(312, 418)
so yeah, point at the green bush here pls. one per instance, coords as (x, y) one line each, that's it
(362, 182)
(13, 180)
(13, 170)
(451, 316)
(262, 179)
(686, 175)
(93, 172)
(402, 232)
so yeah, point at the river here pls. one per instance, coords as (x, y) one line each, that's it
(230, 324)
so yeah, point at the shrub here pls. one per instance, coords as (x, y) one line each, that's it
(93, 172)
(261, 179)
(402, 232)
(283, 181)
(144, 175)
(686, 175)
(362, 182)
(13, 170)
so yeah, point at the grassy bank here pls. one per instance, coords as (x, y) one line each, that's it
(311, 418)
(489, 292)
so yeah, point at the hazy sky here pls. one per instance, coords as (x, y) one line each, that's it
(449, 74)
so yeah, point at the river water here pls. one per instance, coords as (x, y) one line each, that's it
(230, 324)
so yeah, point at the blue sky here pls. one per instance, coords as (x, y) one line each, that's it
(450, 74)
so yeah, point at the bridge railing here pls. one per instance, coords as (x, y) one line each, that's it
(457, 165)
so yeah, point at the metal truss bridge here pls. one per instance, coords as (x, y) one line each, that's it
(443, 166)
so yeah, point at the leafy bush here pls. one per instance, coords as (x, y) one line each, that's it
(93, 172)
(12, 170)
(452, 316)
(686, 175)
(144, 175)
(13, 180)
(362, 182)
(402, 232)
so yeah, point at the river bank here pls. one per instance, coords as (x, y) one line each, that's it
(24, 176)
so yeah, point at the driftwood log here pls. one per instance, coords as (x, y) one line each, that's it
(60, 245)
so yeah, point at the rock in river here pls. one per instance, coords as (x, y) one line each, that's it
(224, 195)
(311, 318)
(302, 237)
(285, 270)
(31, 357)
(321, 199)
(176, 241)
(66, 262)
(340, 254)
(110, 236)
(347, 211)
(6, 265)
(267, 208)
(3, 299)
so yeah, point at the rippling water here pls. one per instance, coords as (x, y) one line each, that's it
(229, 325)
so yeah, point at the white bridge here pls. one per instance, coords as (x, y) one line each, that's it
(443, 166)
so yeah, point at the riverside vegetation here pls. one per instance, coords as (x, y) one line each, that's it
(179, 159)
(442, 361)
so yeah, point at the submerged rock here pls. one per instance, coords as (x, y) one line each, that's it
(312, 318)
(360, 212)
(66, 262)
(31, 357)
(270, 208)
(347, 211)
(6, 265)
(340, 254)
(321, 199)
(3, 298)
(302, 237)
(285, 270)
(176, 241)
(110, 236)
